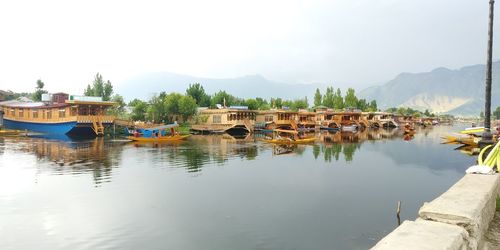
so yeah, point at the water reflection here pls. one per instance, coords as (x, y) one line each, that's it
(97, 156)
(201, 150)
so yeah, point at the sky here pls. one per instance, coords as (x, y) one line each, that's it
(356, 43)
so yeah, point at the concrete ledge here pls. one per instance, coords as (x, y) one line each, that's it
(423, 234)
(470, 203)
(458, 219)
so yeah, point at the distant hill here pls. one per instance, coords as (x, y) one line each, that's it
(458, 92)
(145, 85)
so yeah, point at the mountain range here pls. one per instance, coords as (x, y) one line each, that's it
(442, 90)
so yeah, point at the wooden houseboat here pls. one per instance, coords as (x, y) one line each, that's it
(381, 120)
(404, 119)
(233, 120)
(267, 120)
(58, 114)
(351, 120)
(327, 119)
(306, 120)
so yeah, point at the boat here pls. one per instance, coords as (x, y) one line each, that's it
(58, 113)
(282, 136)
(476, 131)
(460, 139)
(349, 128)
(9, 132)
(165, 133)
(234, 120)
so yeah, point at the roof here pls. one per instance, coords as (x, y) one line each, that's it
(103, 103)
(163, 127)
(286, 131)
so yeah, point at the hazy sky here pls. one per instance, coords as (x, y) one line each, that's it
(346, 42)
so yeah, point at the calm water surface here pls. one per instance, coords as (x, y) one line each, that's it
(218, 192)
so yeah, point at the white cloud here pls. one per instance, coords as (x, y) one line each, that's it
(355, 41)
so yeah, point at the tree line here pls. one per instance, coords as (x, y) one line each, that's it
(334, 99)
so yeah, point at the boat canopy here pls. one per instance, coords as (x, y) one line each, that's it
(285, 131)
(169, 126)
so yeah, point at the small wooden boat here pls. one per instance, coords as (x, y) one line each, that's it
(477, 131)
(166, 133)
(350, 128)
(282, 136)
(9, 132)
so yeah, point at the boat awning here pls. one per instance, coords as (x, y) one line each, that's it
(164, 127)
(286, 131)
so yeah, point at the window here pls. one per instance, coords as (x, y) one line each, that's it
(35, 113)
(268, 118)
(62, 113)
(21, 112)
(13, 112)
(216, 119)
(49, 114)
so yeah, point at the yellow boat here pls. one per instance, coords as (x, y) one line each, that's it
(166, 133)
(159, 139)
(6, 132)
(473, 131)
(282, 136)
(466, 140)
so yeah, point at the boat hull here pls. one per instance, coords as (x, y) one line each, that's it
(160, 139)
(49, 128)
(284, 141)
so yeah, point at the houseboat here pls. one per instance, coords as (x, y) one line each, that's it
(58, 113)
(306, 120)
(267, 120)
(351, 120)
(327, 119)
(232, 120)
(381, 120)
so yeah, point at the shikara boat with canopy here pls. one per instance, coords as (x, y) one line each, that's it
(282, 136)
(165, 133)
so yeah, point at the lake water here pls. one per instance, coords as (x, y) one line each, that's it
(218, 192)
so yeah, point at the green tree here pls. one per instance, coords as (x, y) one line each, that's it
(277, 103)
(252, 104)
(157, 111)
(373, 106)
(328, 98)
(100, 88)
(187, 107)
(362, 105)
(496, 113)
(350, 99)
(318, 99)
(197, 91)
(119, 109)
(139, 110)
(300, 104)
(37, 96)
(338, 100)
(221, 96)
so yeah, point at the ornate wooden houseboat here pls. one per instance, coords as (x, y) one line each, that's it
(233, 120)
(351, 120)
(276, 119)
(58, 114)
(327, 119)
(381, 120)
(306, 120)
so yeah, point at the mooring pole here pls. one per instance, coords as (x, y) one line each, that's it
(487, 136)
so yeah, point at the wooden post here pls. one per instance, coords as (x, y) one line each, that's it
(398, 211)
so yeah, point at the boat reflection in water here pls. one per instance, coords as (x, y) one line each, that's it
(200, 150)
(60, 155)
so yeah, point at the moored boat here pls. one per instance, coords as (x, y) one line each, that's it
(165, 133)
(58, 113)
(282, 136)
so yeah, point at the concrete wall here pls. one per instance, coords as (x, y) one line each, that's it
(458, 219)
